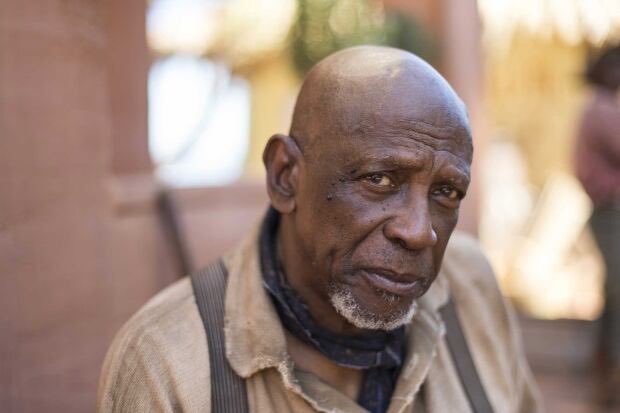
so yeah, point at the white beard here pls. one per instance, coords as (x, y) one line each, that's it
(347, 306)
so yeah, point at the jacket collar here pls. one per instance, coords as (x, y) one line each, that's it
(255, 338)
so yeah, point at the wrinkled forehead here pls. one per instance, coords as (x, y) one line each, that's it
(396, 97)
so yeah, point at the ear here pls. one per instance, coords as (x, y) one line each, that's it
(283, 160)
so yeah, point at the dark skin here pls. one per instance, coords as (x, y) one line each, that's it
(368, 184)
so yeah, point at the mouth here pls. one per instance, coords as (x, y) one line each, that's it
(386, 280)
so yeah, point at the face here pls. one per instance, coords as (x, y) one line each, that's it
(375, 210)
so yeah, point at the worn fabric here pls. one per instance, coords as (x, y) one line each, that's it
(380, 353)
(159, 360)
(597, 152)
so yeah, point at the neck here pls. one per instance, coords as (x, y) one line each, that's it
(309, 281)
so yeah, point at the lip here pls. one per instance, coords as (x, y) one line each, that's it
(392, 282)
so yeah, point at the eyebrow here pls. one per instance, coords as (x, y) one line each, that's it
(455, 176)
(451, 173)
(382, 162)
(386, 161)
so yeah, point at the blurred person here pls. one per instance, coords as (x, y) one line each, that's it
(353, 294)
(597, 164)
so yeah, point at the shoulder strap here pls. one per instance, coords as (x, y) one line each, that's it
(463, 361)
(228, 393)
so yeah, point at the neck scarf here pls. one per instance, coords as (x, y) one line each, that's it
(379, 353)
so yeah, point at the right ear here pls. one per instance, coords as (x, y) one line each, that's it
(283, 160)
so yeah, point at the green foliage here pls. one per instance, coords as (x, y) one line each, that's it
(326, 26)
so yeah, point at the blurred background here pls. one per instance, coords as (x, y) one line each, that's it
(131, 135)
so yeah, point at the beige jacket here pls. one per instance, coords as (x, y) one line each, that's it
(159, 360)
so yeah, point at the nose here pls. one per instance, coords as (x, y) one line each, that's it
(412, 227)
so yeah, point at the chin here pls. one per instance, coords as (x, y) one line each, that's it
(356, 312)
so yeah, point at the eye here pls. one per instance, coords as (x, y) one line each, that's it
(448, 194)
(380, 180)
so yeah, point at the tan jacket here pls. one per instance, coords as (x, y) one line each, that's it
(159, 360)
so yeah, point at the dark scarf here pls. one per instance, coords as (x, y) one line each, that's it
(379, 353)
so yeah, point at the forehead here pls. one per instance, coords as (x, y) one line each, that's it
(408, 95)
(441, 131)
(422, 108)
(404, 149)
(392, 142)
(401, 130)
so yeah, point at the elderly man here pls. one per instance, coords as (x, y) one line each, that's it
(337, 303)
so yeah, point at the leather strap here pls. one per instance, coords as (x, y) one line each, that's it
(228, 393)
(463, 361)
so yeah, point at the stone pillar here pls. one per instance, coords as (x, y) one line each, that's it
(462, 65)
(78, 255)
(128, 64)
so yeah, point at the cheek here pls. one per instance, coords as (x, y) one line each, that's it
(337, 220)
(444, 222)
(360, 237)
(321, 221)
(354, 217)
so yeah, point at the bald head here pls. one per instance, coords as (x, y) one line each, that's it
(363, 87)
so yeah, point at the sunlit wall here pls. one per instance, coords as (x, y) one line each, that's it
(200, 97)
(534, 212)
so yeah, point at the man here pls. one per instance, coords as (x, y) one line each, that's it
(597, 156)
(334, 303)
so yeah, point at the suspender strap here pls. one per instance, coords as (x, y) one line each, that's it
(228, 394)
(463, 361)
